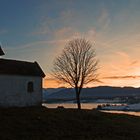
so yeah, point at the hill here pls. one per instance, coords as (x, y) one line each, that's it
(40, 123)
(103, 92)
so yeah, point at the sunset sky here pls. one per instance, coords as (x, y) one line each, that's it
(37, 30)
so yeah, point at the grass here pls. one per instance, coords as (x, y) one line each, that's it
(40, 123)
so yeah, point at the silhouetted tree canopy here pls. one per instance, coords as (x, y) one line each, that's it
(76, 65)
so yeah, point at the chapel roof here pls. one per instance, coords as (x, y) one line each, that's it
(16, 67)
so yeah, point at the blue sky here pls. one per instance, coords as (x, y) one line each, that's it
(37, 30)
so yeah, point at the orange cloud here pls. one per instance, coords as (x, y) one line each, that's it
(121, 77)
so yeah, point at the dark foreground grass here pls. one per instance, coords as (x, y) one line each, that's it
(40, 123)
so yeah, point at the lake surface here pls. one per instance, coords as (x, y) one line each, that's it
(72, 105)
(88, 106)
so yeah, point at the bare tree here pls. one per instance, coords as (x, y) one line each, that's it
(76, 66)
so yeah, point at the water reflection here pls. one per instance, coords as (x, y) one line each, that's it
(72, 105)
(89, 106)
(124, 112)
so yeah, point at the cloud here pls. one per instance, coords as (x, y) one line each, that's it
(103, 21)
(66, 33)
(41, 31)
(49, 25)
(134, 62)
(44, 27)
(67, 15)
(122, 77)
(126, 61)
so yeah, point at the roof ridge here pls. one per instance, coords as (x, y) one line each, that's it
(17, 60)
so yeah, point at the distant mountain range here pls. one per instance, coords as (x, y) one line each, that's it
(101, 92)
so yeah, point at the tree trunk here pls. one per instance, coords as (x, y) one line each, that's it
(78, 100)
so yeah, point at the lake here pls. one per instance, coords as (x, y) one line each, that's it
(72, 105)
(88, 106)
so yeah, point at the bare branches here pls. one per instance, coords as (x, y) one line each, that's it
(77, 65)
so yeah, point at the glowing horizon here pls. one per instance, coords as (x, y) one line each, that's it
(112, 81)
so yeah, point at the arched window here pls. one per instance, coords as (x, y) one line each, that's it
(30, 87)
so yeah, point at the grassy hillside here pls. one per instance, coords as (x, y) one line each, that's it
(66, 124)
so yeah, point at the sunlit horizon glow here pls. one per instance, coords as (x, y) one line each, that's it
(37, 30)
(105, 81)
